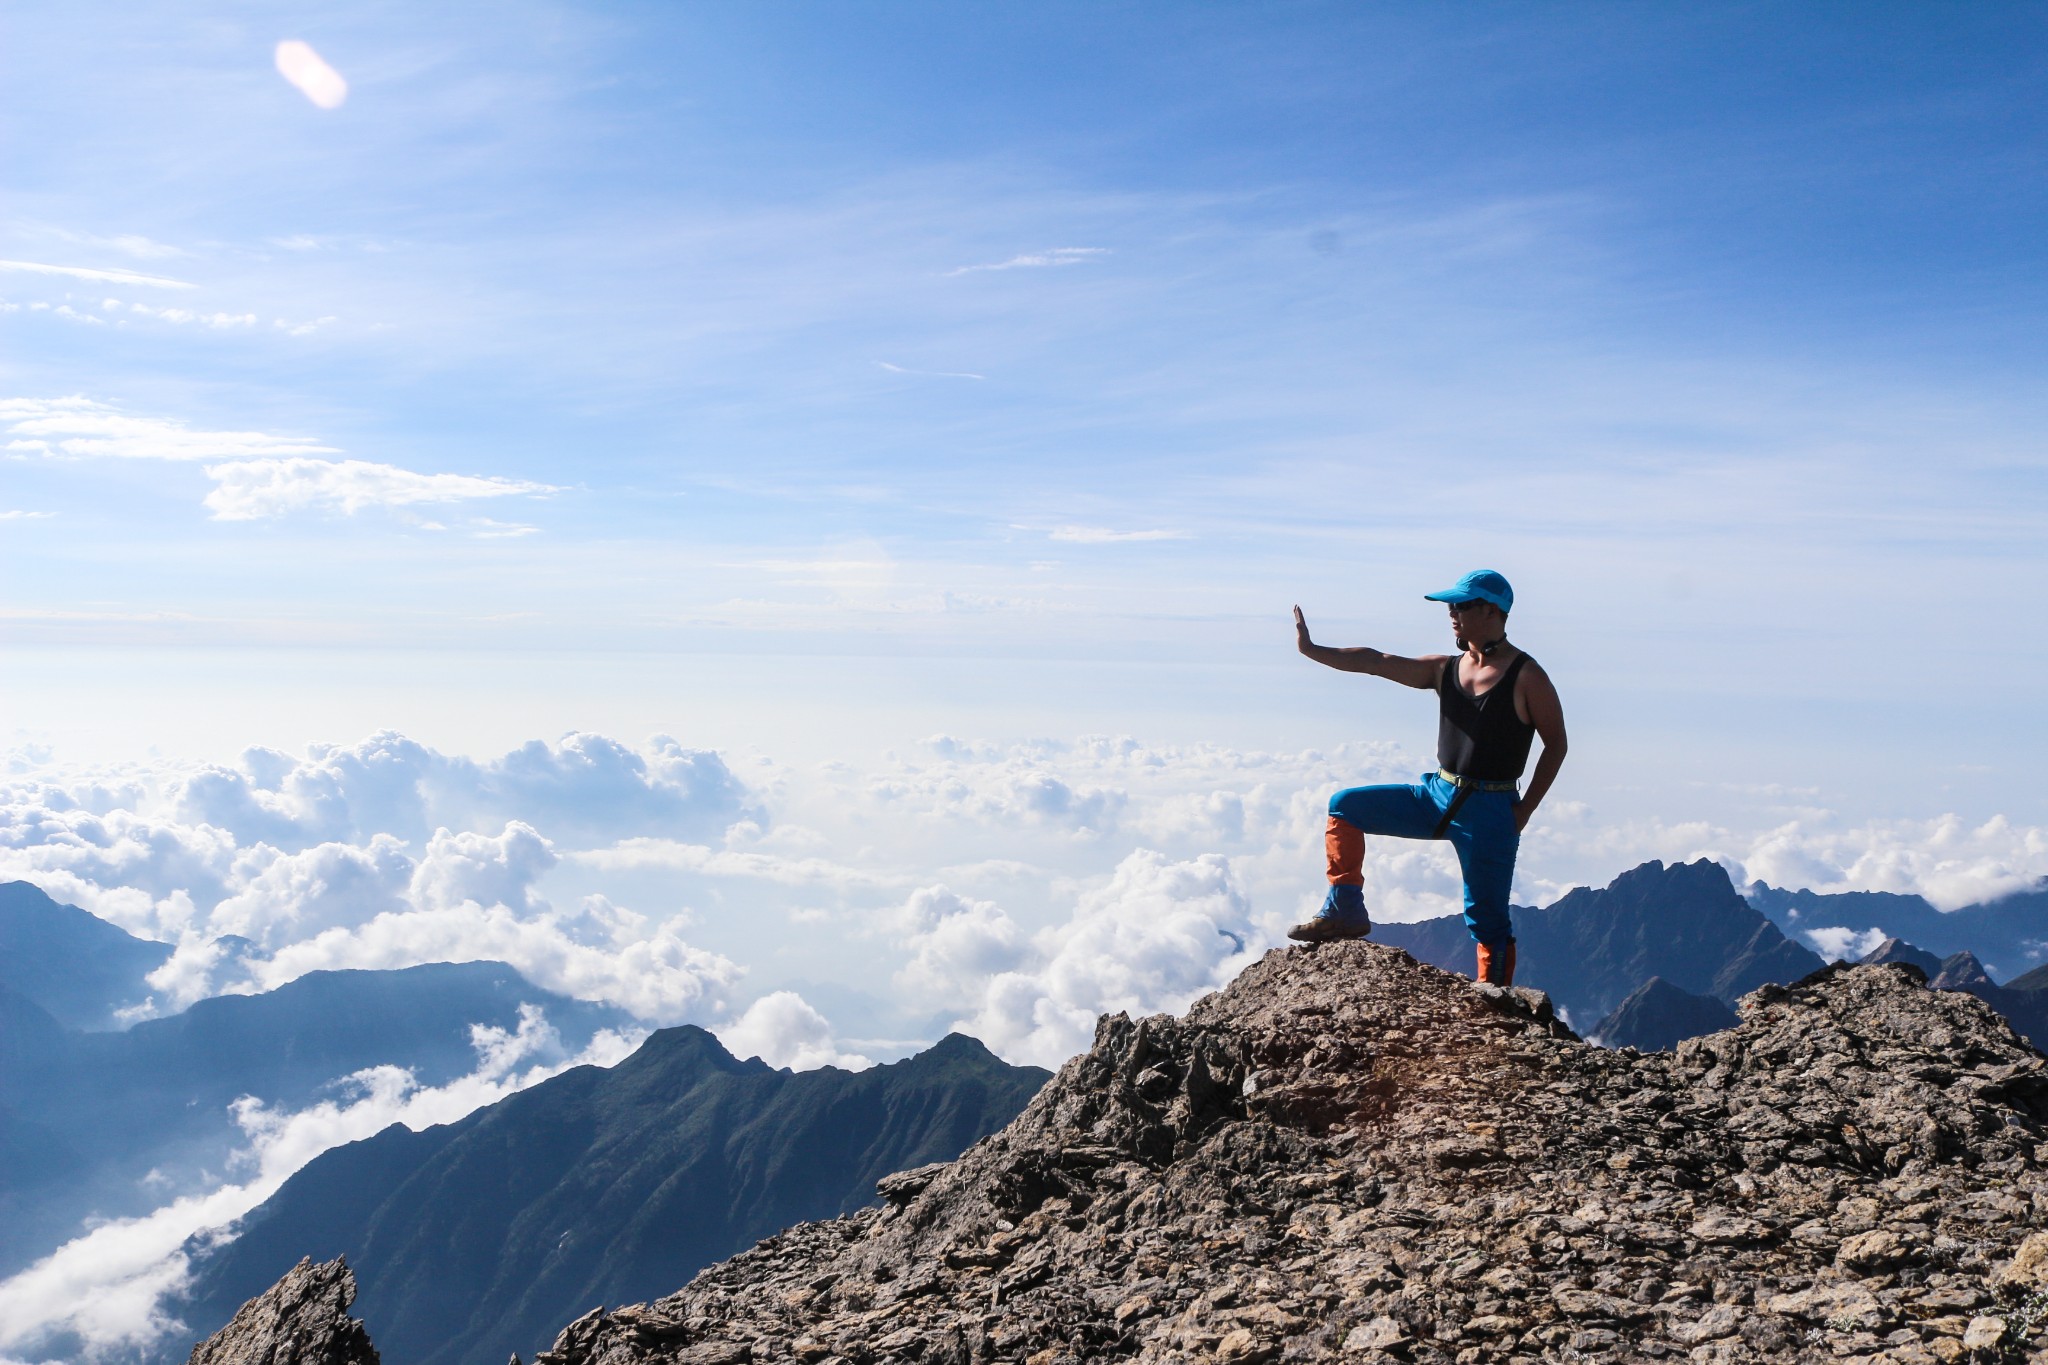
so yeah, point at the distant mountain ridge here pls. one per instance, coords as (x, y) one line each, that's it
(85, 1117)
(481, 1237)
(75, 966)
(1593, 948)
(1662, 953)
(2009, 935)
(1658, 1016)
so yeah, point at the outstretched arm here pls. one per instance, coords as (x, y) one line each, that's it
(1422, 672)
(1541, 708)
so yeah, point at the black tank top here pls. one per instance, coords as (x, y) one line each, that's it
(1481, 737)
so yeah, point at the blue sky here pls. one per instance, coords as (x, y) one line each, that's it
(819, 376)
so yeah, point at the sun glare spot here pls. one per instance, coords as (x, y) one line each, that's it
(298, 63)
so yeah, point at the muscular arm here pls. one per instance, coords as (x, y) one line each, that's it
(1538, 704)
(1422, 672)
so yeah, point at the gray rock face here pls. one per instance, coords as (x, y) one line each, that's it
(301, 1320)
(1347, 1151)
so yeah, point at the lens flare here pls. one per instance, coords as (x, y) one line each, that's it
(298, 63)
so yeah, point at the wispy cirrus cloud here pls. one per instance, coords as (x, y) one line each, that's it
(16, 514)
(80, 272)
(182, 316)
(140, 247)
(256, 474)
(1059, 255)
(247, 490)
(131, 244)
(929, 374)
(1103, 535)
(81, 427)
(483, 528)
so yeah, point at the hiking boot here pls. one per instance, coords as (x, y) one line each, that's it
(1342, 916)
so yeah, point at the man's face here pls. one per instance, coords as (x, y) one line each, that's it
(1472, 620)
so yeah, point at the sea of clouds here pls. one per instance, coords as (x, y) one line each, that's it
(1012, 891)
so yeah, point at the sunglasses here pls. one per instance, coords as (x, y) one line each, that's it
(1460, 608)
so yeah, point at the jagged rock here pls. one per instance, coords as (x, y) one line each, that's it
(904, 1186)
(1983, 1334)
(301, 1320)
(1425, 1172)
(2028, 1268)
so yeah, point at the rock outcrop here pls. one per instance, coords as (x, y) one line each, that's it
(2024, 1006)
(301, 1320)
(1350, 1154)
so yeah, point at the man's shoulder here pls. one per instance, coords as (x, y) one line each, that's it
(1533, 671)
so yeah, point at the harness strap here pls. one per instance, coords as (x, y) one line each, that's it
(1451, 811)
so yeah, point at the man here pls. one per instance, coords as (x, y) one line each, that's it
(1492, 700)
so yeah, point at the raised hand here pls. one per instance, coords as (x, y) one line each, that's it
(1301, 640)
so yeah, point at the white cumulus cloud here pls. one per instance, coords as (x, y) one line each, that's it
(1844, 945)
(956, 944)
(782, 1029)
(1157, 935)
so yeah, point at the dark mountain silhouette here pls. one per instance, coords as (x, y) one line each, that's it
(111, 1108)
(76, 966)
(1591, 949)
(2010, 934)
(1962, 972)
(1658, 1016)
(481, 1237)
(1898, 950)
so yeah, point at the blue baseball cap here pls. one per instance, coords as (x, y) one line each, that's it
(1481, 585)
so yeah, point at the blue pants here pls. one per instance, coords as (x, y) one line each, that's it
(1484, 835)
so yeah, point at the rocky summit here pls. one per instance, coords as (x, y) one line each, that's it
(1350, 1154)
(301, 1320)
